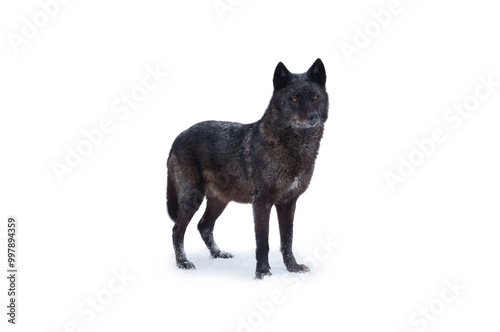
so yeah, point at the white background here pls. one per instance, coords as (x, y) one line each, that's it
(397, 248)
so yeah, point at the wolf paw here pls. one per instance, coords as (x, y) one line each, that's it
(222, 254)
(186, 265)
(299, 268)
(261, 275)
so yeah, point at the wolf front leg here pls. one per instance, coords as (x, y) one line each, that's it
(286, 212)
(261, 212)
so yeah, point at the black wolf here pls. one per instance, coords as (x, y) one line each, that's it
(269, 162)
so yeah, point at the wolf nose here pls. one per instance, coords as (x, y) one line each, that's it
(313, 117)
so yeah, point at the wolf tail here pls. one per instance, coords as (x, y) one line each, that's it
(172, 201)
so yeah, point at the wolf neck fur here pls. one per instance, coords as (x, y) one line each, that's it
(274, 131)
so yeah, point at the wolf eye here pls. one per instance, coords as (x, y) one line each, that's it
(315, 97)
(294, 99)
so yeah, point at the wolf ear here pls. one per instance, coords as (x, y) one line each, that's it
(281, 76)
(317, 72)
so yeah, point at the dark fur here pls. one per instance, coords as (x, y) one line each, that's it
(269, 162)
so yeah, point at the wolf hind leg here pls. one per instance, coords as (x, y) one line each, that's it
(187, 208)
(206, 226)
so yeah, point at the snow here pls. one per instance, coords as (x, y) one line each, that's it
(107, 217)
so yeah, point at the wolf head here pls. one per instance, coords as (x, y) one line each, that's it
(299, 100)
